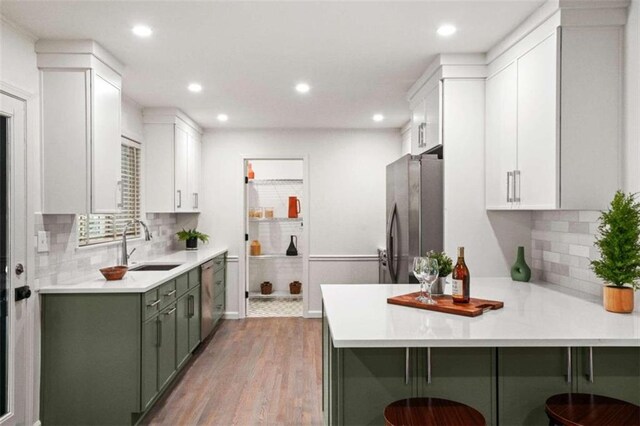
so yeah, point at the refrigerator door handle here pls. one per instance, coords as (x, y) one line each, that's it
(390, 243)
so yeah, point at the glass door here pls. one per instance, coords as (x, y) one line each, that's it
(4, 258)
(16, 312)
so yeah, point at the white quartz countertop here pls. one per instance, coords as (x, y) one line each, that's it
(533, 315)
(140, 281)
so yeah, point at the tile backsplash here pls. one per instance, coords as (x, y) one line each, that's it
(562, 244)
(65, 261)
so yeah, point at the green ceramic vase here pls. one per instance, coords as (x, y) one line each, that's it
(520, 271)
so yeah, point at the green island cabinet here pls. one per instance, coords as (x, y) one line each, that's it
(509, 386)
(107, 357)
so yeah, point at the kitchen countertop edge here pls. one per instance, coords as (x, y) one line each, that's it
(141, 281)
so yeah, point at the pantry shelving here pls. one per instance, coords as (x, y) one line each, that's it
(270, 230)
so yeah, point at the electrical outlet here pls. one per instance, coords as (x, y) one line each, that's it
(43, 241)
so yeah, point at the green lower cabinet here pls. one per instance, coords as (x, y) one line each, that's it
(194, 319)
(90, 358)
(183, 314)
(609, 371)
(526, 378)
(370, 379)
(150, 340)
(465, 375)
(167, 347)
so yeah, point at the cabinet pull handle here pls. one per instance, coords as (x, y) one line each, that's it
(590, 372)
(509, 176)
(170, 312)
(428, 365)
(195, 200)
(191, 306)
(159, 332)
(171, 293)
(179, 198)
(151, 305)
(406, 366)
(516, 186)
(569, 365)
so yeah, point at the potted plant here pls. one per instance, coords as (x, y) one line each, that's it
(191, 236)
(619, 243)
(445, 266)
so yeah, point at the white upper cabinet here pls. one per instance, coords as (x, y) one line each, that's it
(81, 102)
(172, 167)
(106, 178)
(536, 173)
(193, 170)
(501, 129)
(426, 118)
(553, 114)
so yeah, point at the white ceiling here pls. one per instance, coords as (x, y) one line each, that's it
(359, 57)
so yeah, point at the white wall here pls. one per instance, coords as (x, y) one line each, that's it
(19, 75)
(132, 124)
(631, 161)
(346, 196)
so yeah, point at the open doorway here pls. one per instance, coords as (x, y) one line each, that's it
(276, 254)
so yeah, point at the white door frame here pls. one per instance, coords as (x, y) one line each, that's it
(20, 315)
(242, 252)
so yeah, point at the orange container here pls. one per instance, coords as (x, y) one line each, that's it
(255, 248)
(294, 207)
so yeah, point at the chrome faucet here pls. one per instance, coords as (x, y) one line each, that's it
(147, 237)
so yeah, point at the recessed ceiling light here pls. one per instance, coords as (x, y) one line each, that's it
(223, 117)
(378, 117)
(303, 87)
(195, 87)
(446, 30)
(141, 31)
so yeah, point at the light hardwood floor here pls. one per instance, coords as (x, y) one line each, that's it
(256, 371)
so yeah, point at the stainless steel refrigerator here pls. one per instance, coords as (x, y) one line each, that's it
(415, 211)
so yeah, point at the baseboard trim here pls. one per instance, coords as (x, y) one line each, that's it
(343, 258)
(314, 314)
(231, 315)
(38, 423)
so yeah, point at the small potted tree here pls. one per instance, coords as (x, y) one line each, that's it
(445, 266)
(619, 243)
(191, 236)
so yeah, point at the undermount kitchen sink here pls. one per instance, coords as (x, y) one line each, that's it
(155, 267)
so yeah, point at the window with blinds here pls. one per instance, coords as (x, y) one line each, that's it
(102, 228)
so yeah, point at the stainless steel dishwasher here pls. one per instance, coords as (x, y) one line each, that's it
(206, 299)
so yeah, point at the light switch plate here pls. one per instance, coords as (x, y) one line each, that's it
(43, 241)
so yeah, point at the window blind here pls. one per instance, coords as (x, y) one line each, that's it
(101, 228)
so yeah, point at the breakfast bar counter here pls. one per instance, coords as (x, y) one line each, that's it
(505, 363)
(534, 314)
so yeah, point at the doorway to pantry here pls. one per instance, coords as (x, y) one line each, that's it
(276, 237)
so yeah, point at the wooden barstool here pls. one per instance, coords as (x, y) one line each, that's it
(582, 409)
(431, 411)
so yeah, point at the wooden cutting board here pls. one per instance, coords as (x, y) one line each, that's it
(445, 304)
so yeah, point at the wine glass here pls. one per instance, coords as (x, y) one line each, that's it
(430, 275)
(419, 269)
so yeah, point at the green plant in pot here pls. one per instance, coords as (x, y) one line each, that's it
(191, 236)
(445, 266)
(619, 243)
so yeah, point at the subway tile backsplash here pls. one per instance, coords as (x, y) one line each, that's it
(562, 247)
(66, 262)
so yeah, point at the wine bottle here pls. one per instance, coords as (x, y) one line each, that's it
(461, 280)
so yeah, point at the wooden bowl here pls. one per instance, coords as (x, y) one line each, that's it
(114, 273)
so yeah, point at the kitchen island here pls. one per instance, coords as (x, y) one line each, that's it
(505, 363)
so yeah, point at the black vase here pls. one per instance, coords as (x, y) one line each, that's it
(192, 244)
(292, 250)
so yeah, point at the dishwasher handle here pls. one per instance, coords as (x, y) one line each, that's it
(207, 265)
